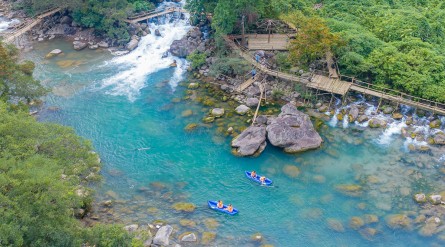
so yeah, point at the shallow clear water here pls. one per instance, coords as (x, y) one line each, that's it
(121, 107)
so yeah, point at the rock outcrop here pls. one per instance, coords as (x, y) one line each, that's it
(162, 236)
(251, 141)
(188, 44)
(79, 45)
(293, 131)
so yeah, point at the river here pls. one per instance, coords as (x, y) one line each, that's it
(131, 108)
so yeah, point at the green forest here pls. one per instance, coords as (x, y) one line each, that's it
(45, 171)
(393, 43)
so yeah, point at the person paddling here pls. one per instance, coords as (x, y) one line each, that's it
(220, 204)
(263, 180)
(253, 174)
(230, 208)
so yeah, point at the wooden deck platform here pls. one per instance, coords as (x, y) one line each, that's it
(278, 42)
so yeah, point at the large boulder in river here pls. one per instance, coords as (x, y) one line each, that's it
(251, 141)
(293, 131)
(252, 102)
(353, 113)
(79, 45)
(188, 44)
(132, 44)
(161, 237)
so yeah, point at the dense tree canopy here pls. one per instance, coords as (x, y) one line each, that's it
(395, 43)
(45, 170)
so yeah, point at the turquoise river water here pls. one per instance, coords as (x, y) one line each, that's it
(126, 103)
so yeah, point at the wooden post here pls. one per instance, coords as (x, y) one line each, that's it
(378, 106)
(243, 37)
(330, 102)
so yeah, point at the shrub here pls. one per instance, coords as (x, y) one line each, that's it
(197, 59)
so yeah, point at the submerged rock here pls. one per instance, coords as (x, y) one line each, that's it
(193, 85)
(368, 233)
(291, 171)
(251, 141)
(356, 222)
(188, 237)
(207, 237)
(335, 225)
(398, 221)
(162, 236)
(184, 207)
(53, 53)
(350, 189)
(293, 131)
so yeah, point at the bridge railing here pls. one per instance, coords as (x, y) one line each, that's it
(402, 97)
(152, 12)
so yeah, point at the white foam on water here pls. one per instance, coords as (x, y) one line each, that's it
(345, 121)
(333, 122)
(392, 129)
(147, 58)
(5, 23)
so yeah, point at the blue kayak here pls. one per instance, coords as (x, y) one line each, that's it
(213, 205)
(267, 182)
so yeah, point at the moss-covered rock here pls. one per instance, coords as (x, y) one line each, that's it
(356, 222)
(187, 113)
(208, 119)
(398, 221)
(350, 189)
(187, 223)
(193, 85)
(377, 123)
(335, 225)
(435, 124)
(207, 237)
(211, 223)
(184, 207)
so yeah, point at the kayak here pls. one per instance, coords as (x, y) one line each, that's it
(267, 182)
(213, 205)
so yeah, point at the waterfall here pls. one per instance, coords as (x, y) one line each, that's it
(149, 57)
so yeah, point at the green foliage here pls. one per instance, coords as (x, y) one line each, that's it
(229, 66)
(16, 79)
(109, 236)
(197, 59)
(282, 60)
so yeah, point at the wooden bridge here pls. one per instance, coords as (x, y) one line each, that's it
(10, 36)
(340, 85)
(154, 13)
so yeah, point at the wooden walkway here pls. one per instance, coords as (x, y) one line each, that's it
(327, 84)
(342, 84)
(26, 26)
(155, 13)
(245, 84)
